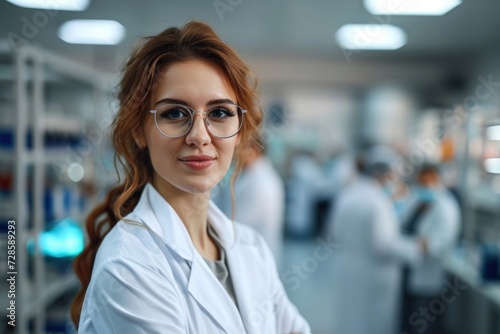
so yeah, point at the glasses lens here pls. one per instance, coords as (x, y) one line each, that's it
(173, 120)
(224, 120)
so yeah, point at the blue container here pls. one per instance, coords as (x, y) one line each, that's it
(490, 263)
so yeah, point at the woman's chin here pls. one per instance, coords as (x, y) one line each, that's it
(199, 188)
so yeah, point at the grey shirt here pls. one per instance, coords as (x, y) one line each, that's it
(219, 267)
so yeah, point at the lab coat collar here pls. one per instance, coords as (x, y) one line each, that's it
(203, 285)
(154, 211)
(157, 214)
(222, 225)
(247, 296)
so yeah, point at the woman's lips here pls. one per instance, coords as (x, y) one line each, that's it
(198, 162)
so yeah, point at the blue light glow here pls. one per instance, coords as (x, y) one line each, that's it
(65, 239)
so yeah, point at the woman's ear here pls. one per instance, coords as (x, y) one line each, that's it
(139, 139)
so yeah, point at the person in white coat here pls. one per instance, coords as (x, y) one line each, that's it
(304, 188)
(161, 257)
(371, 252)
(433, 213)
(259, 184)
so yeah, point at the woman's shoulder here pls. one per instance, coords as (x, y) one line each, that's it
(130, 274)
(127, 242)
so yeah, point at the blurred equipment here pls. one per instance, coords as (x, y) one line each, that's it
(490, 252)
(490, 263)
(64, 240)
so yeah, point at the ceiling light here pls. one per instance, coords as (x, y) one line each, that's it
(75, 5)
(370, 37)
(410, 7)
(493, 132)
(492, 165)
(102, 32)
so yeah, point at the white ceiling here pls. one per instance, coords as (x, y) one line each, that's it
(262, 28)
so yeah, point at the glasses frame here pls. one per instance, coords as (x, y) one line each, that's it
(193, 113)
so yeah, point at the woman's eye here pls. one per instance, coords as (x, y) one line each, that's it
(174, 114)
(221, 112)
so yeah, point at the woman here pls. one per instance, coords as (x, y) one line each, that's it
(161, 257)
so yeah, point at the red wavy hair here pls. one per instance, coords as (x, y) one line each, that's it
(194, 41)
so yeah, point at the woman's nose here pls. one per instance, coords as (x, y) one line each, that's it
(198, 135)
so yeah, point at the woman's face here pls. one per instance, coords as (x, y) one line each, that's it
(197, 161)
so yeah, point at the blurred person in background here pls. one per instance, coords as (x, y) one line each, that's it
(338, 172)
(433, 213)
(303, 191)
(259, 197)
(368, 263)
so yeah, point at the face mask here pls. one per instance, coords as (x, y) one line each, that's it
(426, 194)
(400, 207)
(388, 190)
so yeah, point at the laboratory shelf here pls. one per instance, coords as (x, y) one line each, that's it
(62, 154)
(7, 208)
(53, 291)
(54, 102)
(7, 155)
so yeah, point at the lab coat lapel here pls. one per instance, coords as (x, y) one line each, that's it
(244, 286)
(210, 295)
(206, 289)
(248, 296)
(154, 211)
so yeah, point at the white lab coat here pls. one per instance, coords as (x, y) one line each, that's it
(149, 278)
(337, 175)
(440, 225)
(259, 195)
(304, 188)
(368, 262)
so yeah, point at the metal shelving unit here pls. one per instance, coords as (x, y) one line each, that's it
(31, 69)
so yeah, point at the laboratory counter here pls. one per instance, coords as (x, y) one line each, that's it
(476, 310)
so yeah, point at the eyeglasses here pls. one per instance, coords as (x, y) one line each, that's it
(176, 120)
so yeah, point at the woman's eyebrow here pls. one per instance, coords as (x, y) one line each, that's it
(218, 101)
(178, 101)
(169, 100)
